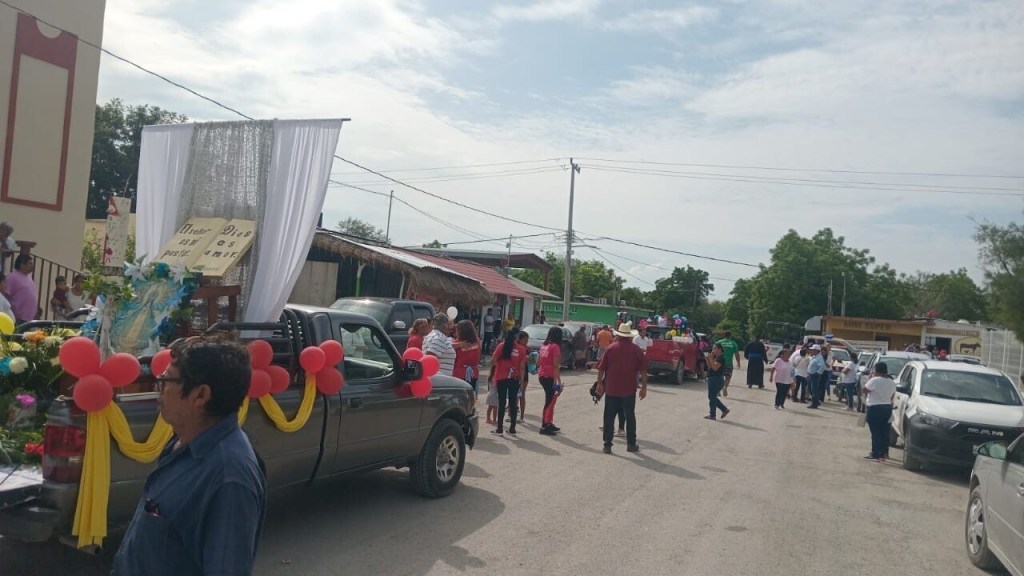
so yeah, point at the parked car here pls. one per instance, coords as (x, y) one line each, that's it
(965, 359)
(395, 315)
(994, 522)
(538, 333)
(943, 410)
(894, 363)
(374, 422)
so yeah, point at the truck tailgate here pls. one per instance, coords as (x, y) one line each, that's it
(19, 484)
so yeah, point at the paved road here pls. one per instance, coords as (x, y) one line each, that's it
(763, 492)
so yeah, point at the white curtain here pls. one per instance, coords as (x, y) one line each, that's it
(300, 166)
(163, 164)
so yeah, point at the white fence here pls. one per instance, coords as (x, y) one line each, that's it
(1001, 350)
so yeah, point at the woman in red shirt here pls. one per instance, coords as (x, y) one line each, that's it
(548, 372)
(420, 328)
(467, 353)
(507, 369)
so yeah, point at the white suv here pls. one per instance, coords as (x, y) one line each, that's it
(943, 410)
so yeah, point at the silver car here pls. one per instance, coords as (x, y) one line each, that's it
(994, 525)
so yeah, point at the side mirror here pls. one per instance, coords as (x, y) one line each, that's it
(903, 389)
(398, 325)
(994, 450)
(413, 370)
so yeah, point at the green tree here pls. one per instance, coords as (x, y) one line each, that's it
(92, 252)
(736, 313)
(684, 289)
(951, 295)
(117, 141)
(707, 316)
(636, 298)
(589, 278)
(1002, 256)
(361, 229)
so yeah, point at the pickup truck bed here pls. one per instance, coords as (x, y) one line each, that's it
(374, 422)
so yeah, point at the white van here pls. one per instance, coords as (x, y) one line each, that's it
(943, 410)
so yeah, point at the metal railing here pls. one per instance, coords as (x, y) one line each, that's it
(1001, 350)
(44, 276)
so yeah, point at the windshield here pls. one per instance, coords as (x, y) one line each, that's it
(969, 387)
(893, 364)
(537, 331)
(376, 310)
(840, 355)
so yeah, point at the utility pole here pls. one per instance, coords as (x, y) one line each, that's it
(508, 260)
(391, 200)
(566, 296)
(842, 307)
(829, 296)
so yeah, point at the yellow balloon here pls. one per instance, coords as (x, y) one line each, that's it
(6, 324)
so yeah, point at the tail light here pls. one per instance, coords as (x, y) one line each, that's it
(63, 449)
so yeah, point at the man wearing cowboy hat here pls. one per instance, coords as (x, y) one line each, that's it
(617, 373)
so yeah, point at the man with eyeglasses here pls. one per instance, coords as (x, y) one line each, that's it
(202, 508)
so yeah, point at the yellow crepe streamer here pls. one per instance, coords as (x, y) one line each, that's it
(243, 411)
(275, 413)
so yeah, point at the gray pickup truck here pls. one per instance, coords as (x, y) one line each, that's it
(373, 423)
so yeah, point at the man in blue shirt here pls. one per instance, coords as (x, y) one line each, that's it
(202, 508)
(815, 370)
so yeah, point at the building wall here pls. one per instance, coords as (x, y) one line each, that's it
(961, 338)
(44, 203)
(898, 333)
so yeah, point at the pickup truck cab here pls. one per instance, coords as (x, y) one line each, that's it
(943, 410)
(374, 422)
(394, 315)
(678, 359)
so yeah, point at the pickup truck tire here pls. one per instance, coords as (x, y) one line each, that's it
(910, 462)
(977, 537)
(438, 468)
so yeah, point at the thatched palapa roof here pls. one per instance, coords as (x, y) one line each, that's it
(421, 275)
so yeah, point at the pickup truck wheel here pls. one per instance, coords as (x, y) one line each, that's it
(977, 538)
(910, 462)
(680, 373)
(438, 468)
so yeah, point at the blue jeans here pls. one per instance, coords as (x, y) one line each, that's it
(878, 417)
(850, 389)
(816, 388)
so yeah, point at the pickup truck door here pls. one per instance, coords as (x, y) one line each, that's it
(400, 336)
(379, 417)
(901, 401)
(1005, 504)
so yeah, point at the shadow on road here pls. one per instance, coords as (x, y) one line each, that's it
(744, 426)
(645, 461)
(372, 524)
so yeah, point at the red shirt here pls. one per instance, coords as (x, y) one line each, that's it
(511, 368)
(415, 341)
(622, 363)
(468, 358)
(550, 355)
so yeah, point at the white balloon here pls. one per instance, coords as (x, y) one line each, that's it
(453, 312)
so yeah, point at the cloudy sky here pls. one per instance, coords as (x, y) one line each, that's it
(888, 118)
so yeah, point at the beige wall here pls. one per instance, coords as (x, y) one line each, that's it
(38, 133)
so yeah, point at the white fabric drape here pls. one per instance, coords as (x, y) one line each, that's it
(300, 166)
(163, 164)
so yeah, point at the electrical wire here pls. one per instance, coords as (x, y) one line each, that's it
(619, 268)
(455, 166)
(478, 176)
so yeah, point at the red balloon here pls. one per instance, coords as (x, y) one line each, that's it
(79, 356)
(421, 388)
(93, 393)
(279, 379)
(121, 369)
(430, 365)
(260, 354)
(412, 354)
(158, 365)
(312, 359)
(334, 352)
(259, 383)
(329, 381)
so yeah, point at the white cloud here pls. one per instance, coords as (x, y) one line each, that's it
(661, 20)
(546, 10)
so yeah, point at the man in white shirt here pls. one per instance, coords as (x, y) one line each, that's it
(487, 331)
(642, 340)
(438, 344)
(879, 391)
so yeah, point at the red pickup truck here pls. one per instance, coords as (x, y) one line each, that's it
(666, 356)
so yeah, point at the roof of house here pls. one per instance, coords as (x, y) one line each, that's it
(490, 258)
(530, 288)
(494, 282)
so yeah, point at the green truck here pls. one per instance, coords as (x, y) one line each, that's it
(594, 313)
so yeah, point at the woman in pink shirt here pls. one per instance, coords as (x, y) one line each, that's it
(548, 364)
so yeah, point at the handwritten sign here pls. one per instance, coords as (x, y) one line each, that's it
(227, 248)
(188, 244)
(115, 239)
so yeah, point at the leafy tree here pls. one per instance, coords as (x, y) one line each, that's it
(636, 298)
(361, 229)
(1002, 255)
(736, 314)
(707, 316)
(950, 295)
(589, 278)
(92, 252)
(435, 244)
(684, 289)
(117, 141)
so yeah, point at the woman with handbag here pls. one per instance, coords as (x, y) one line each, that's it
(549, 374)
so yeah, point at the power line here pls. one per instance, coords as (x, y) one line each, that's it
(836, 171)
(457, 166)
(670, 251)
(503, 238)
(783, 182)
(619, 268)
(478, 176)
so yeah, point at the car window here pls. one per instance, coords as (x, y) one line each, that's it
(421, 312)
(1016, 455)
(402, 313)
(366, 356)
(907, 376)
(376, 310)
(969, 387)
